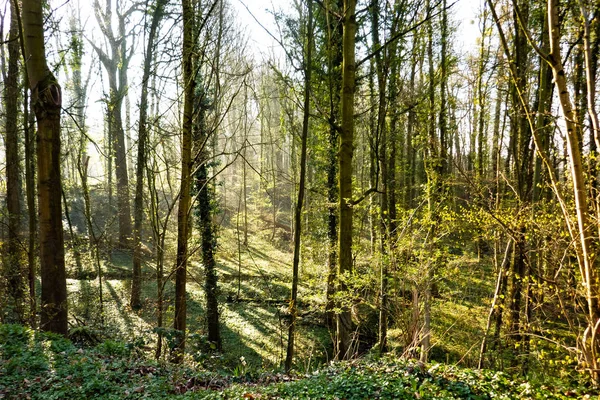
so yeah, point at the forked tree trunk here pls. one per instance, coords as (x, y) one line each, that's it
(116, 65)
(46, 99)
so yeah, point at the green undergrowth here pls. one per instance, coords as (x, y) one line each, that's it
(36, 365)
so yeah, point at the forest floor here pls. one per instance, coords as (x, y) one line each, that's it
(111, 355)
(43, 366)
(254, 283)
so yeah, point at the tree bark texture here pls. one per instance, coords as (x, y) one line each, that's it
(183, 225)
(334, 31)
(344, 321)
(46, 100)
(13, 255)
(301, 189)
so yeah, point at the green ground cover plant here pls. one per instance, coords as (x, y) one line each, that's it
(36, 365)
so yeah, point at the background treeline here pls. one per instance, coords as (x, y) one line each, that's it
(370, 181)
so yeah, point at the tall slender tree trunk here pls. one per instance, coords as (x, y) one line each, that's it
(409, 158)
(136, 280)
(344, 343)
(382, 70)
(183, 225)
(289, 358)
(334, 60)
(522, 172)
(13, 254)
(206, 193)
(481, 100)
(31, 207)
(116, 65)
(124, 209)
(208, 257)
(496, 140)
(391, 190)
(46, 99)
(30, 161)
(374, 167)
(432, 159)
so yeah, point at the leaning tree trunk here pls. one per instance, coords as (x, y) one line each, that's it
(46, 99)
(585, 245)
(116, 65)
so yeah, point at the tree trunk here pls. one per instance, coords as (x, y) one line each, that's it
(31, 206)
(391, 187)
(495, 301)
(301, 189)
(46, 99)
(382, 68)
(482, 95)
(209, 240)
(542, 120)
(179, 322)
(344, 343)
(116, 65)
(584, 246)
(136, 279)
(432, 161)
(13, 255)
(496, 141)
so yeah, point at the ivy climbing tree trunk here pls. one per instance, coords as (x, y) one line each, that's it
(334, 60)
(205, 201)
(46, 100)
